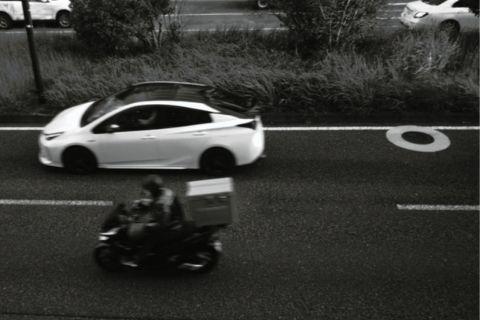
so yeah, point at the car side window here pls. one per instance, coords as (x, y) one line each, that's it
(134, 119)
(181, 117)
(471, 4)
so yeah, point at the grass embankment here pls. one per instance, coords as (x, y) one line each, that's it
(390, 74)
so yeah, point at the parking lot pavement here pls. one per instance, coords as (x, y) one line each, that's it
(320, 236)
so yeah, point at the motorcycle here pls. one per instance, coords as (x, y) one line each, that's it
(197, 250)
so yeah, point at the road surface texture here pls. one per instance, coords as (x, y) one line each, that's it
(320, 236)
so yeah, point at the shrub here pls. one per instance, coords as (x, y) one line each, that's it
(424, 53)
(118, 26)
(328, 24)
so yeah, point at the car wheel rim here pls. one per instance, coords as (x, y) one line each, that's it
(81, 165)
(64, 21)
(3, 23)
(262, 4)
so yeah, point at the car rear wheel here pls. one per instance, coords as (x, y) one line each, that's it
(63, 19)
(5, 21)
(451, 28)
(79, 160)
(217, 161)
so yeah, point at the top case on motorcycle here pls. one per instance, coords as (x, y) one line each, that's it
(210, 202)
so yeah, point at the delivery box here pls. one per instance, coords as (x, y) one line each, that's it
(210, 202)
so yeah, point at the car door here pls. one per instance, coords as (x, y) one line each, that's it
(127, 139)
(13, 8)
(41, 10)
(184, 134)
(467, 14)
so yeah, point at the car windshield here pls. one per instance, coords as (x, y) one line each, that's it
(113, 102)
(434, 2)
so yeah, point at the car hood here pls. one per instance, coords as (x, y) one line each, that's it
(67, 120)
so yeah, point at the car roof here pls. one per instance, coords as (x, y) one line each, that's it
(192, 95)
(169, 91)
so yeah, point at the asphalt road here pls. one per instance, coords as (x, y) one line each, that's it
(222, 14)
(320, 236)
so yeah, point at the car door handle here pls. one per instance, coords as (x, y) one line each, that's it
(148, 138)
(199, 133)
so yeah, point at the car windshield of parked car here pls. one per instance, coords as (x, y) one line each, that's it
(434, 2)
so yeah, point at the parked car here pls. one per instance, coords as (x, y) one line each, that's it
(55, 10)
(155, 125)
(451, 15)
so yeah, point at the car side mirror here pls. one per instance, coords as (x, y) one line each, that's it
(45, 1)
(111, 128)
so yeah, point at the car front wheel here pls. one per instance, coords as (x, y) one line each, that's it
(63, 19)
(78, 160)
(217, 161)
(451, 28)
(5, 21)
(262, 4)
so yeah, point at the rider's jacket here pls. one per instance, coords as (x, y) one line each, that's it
(164, 211)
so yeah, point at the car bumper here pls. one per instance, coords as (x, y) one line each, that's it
(44, 155)
(413, 23)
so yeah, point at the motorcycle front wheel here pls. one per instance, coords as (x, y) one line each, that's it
(201, 261)
(107, 258)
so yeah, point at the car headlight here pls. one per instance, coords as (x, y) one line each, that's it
(51, 136)
(420, 14)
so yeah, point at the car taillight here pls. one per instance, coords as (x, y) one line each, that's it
(249, 125)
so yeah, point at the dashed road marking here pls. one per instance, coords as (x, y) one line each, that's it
(438, 207)
(77, 203)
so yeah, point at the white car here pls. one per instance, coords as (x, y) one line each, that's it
(57, 10)
(155, 125)
(452, 15)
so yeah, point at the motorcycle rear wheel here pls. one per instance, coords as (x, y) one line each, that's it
(201, 261)
(107, 258)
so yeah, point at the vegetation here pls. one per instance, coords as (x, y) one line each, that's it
(326, 24)
(120, 25)
(391, 73)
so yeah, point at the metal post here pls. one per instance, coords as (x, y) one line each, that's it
(33, 54)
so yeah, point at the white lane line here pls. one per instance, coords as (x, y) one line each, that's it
(21, 128)
(77, 203)
(438, 207)
(326, 128)
(397, 4)
(365, 128)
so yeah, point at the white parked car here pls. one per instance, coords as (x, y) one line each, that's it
(451, 15)
(155, 125)
(56, 10)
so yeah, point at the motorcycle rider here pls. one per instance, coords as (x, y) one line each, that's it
(160, 214)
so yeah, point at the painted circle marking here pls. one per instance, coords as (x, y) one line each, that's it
(440, 140)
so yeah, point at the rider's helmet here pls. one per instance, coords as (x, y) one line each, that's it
(153, 184)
